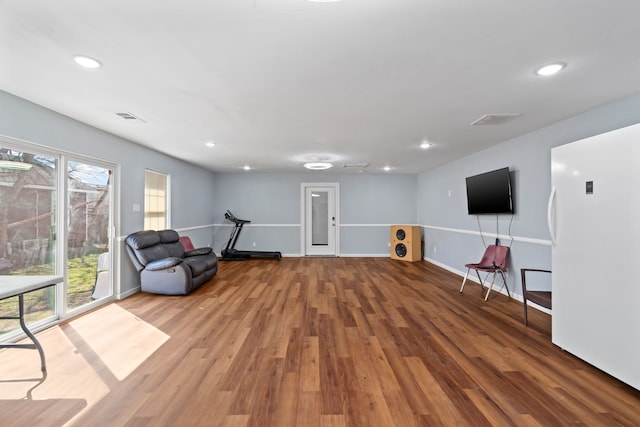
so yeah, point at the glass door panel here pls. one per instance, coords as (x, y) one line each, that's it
(28, 195)
(88, 233)
(319, 216)
(320, 221)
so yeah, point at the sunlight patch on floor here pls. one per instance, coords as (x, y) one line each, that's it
(123, 341)
(70, 381)
(83, 358)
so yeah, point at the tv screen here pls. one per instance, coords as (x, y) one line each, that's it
(490, 193)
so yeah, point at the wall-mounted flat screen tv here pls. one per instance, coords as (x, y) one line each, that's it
(490, 193)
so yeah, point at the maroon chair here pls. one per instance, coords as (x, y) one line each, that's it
(494, 261)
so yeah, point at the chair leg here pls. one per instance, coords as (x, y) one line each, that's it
(481, 281)
(526, 322)
(490, 287)
(464, 280)
(504, 283)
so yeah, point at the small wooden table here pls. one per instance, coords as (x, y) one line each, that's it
(12, 286)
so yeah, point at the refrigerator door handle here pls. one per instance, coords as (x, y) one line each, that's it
(550, 206)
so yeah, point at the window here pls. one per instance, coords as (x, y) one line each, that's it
(156, 201)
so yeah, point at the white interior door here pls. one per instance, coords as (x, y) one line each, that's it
(320, 220)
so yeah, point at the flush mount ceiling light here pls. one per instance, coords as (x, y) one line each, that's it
(16, 166)
(387, 168)
(425, 145)
(550, 69)
(87, 62)
(210, 144)
(247, 168)
(318, 166)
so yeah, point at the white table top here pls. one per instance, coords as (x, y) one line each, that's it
(11, 286)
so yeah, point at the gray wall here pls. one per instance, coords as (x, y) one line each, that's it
(369, 203)
(192, 187)
(451, 235)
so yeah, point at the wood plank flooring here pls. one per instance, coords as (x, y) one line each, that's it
(311, 342)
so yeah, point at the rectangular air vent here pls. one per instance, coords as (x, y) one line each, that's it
(494, 119)
(129, 116)
(355, 165)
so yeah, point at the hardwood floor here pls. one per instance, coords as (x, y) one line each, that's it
(311, 342)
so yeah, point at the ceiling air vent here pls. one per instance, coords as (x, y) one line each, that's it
(359, 166)
(494, 119)
(129, 116)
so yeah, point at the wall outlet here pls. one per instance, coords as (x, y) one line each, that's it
(388, 244)
(136, 207)
(435, 249)
(254, 244)
(449, 193)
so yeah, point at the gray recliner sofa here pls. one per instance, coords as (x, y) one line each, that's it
(165, 267)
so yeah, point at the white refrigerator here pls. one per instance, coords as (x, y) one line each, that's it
(594, 223)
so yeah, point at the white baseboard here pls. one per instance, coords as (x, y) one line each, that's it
(128, 293)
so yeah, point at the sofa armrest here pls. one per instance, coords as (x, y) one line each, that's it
(163, 264)
(198, 251)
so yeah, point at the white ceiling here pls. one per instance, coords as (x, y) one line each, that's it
(276, 83)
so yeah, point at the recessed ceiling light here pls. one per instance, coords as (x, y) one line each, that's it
(247, 167)
(210, 144)
(318, 166)
(387, 168)
(550, 69)
(425, 145)
(87, 62)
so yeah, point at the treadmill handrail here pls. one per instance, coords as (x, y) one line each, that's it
(231, 217)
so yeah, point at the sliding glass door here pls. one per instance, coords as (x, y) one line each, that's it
(88, 225)
(44, 195)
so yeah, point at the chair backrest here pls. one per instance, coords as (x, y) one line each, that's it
(495, 255)
(186, 242)
(103, 262)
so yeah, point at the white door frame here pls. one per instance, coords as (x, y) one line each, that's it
(303, 217)
(113, 229)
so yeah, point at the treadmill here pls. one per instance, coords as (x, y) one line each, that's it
(230, 253)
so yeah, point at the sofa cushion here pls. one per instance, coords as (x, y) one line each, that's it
(200, 264)
(175, 249)
(143, 239)
(198, 251)
(168, 236)
(163, 264)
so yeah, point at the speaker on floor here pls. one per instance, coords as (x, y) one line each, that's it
(406, 242)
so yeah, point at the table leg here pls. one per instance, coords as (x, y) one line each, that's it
(29, 334)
